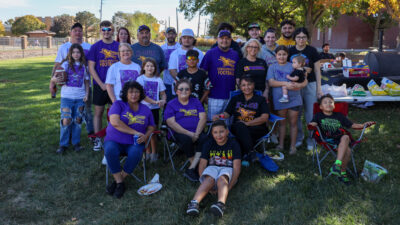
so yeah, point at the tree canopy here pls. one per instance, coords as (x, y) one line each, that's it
(88, 20)
(25, 24)
(62, 24)
(2, 29)
(132, 21)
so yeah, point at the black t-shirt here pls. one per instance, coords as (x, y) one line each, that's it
(300, 74)
(249, 110)
(330, 125)
(234, 45)
(310, 54)
(258, 71)
(198, 80)
(324, 55)
(221, 155)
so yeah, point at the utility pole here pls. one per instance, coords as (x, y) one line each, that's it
(169, 21)
(101, 9)
(198, 26)
(205, 27)
(177, 22)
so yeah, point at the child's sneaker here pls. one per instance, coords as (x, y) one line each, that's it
(283, 99)
(193, 208)
(218, 209)
(97, 144)
(335, 170)
(344, 179)
(191, 174)
(104, 160)
(153, 157)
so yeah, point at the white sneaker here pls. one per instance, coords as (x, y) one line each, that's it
(310, 147)
(298, 144)
(97, 144)
(104, 161)
(274, 139)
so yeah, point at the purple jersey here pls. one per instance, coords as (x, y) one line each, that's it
(221, 71)
(104, 55)
(138, 121)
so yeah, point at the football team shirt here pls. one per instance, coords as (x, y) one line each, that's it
(152, 87)
(154, 51)
(74, 88)
(167, 78)
(104, 55)
(118, 74)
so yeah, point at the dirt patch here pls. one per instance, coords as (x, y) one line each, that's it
(6, 81)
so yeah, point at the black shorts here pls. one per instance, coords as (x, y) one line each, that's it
(156, 116)
(296, 108)
(100, 97)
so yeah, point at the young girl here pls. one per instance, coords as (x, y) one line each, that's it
(298, 75)
(277, 78)
(73, 95)
(154, 88)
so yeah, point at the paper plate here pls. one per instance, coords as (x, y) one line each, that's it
(149, 189)
(275, 157)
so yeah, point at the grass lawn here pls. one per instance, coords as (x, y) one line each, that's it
(40, 187)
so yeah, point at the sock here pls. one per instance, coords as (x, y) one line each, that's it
(195, 160)
(285, 96)
(194, 201)
(343, 173)
(338, 162)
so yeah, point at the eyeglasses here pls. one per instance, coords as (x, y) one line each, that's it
(183, 89)
(301, 37)
(106, 29)
(253, 47)
(191, 58)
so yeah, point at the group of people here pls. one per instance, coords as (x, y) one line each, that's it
(271, 75)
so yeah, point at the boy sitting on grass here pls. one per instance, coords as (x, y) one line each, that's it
(331, 125)
(219, 169)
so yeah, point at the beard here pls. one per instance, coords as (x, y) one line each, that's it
(288, 37)
(171, 40)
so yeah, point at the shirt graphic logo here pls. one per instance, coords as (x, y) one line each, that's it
(109, 54)
(134, 119)
(192, 112)
(75, 79)
(142, 58)
(221, 158)
(150, 89)
(227, 62)
(128, 75)
(246, 115)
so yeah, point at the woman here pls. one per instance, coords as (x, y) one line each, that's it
(131, 124)
(186, 117)
(251, 65)
(268, 50)
(313, 89)
(277, 78)
(250, 114)
(121, 72)
(123, 35)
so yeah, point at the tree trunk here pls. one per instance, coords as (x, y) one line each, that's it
(309, 19)
(376, 31)
(398, 39)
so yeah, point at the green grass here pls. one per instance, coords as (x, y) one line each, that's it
(40, 187)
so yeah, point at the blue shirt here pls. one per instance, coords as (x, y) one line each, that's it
(154, 51)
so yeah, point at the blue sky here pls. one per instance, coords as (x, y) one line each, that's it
(160, 9)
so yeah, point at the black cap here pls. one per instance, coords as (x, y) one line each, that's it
(143, 27)
(76, 25)
(254, 25)
(170, 29)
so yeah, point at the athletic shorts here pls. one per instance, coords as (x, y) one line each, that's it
(100, 97)
(156, 116)
(215, 172)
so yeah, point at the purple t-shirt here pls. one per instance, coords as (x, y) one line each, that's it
(221, 71)
(185, 115)
(138, 121)
(104, 55)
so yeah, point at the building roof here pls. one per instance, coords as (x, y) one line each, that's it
(41, 32)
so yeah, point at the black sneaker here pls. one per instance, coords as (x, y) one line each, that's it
(119, 190)
(61, 150)
(193, 208)
(191, 175)
(218, 209)
(78, 147)
(111, 188)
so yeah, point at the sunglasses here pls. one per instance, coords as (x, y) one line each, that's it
(106, 29)
(183, 89)
(191, 58)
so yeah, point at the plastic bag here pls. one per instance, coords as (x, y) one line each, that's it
(358, 90)
(390, 87)
(375, 89)
(335, 91)
(372, 172)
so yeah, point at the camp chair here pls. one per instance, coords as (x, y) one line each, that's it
(340, 107)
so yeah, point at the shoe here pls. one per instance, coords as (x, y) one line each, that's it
(218, 209)
(191, 175)
(111, 188)
(299, 143)
(92, 139)
(335, 170)
(148, 156)
(274, 138)
(97, 144)
(344, 179)
(104, 160)
(253, 157)
(78, 147)
(61, 149)
(310, 144)
(153, 158)
(119, 190)
(283, 99)
(193, 208)
(292, 151)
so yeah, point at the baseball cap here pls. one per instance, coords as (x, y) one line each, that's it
(224, 33)
(187, 32)
(143, 27)
(170, 29)
(254, 25)
(76, 25)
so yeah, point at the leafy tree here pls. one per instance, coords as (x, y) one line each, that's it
(89, 22)
(2, 29)
(25, 24)
(132, 22)
(62, 25)
(9, 22)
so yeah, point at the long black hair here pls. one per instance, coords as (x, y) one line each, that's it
(131, 85)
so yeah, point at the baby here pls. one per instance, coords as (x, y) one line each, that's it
(298, 75)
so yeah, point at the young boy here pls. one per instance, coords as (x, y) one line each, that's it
(298, 75)
(331, 125)
(221, 155)
(198, 77)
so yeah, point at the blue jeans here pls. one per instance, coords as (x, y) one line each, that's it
(72, 111)
(88, 116)
(113, 150)
(309, 95)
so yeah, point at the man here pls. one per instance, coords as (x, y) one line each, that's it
(254, 31)
(76, 35)
(101, 56)
(287, 29)
(325, 52)
(177, 60)
(234, 45)
(168, 48)
(145, 48)
(220, 64)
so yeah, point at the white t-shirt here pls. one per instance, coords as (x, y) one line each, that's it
(74, 88)
(118, 74)
(152, 87)
(177, 59)
(167, 53)
(63, 51)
